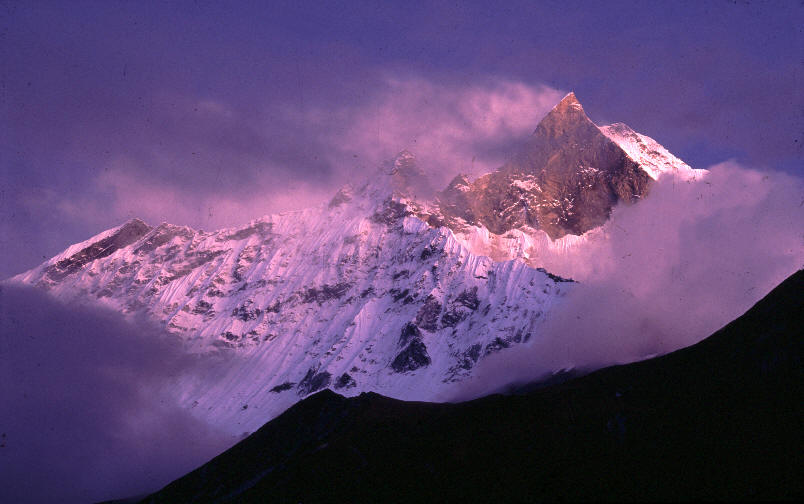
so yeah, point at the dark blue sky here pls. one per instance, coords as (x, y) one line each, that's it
(210, 115)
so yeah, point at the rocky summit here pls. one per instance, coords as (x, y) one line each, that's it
(565, 180)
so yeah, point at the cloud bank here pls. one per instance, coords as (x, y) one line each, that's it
(664, 273)
(84, 416)
(225, 167)
(451, 128)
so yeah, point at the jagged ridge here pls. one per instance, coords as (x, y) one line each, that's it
(565, 181)
(370, 288)
(357, 294)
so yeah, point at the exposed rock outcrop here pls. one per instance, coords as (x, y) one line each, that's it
(566, 180)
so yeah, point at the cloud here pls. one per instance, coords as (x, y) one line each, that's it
(149, 200)
(86, 415)
(665, 273)
(450, 127)
(206, 163)
(225, 167)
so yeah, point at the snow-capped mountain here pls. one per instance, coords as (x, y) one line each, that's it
(553, 195)
(383, 289)
(565, 181)
(356, 295)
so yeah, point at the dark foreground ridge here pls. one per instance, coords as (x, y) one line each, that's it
(718, 420)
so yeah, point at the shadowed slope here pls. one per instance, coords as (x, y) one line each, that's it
(718, 420)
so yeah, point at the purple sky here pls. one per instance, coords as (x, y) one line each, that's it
(210, 116)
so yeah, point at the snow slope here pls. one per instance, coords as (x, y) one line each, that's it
(650, 154)
(357, 295)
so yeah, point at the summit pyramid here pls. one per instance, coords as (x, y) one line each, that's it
(565, 180)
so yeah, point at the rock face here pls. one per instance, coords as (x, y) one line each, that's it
(414, 356)
(565, 181)
(121, 237)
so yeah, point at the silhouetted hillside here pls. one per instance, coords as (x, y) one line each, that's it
(718, 420)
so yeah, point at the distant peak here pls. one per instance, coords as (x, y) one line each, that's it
(134, 227)
(568, 103)
(460, 179)
(405, 165)
(136, 221)
(405, 160)
(570, 97)
(567, 114)
(407, 177)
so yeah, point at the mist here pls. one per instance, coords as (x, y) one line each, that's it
(451, 128)
(85, 414)
(663, 274)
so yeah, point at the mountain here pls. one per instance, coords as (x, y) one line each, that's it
(357, 295)
(566, 180)
(389, 287)
(720, 420)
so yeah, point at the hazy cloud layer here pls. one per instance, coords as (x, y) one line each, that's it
(666, 273)
(222, 167)
(83, 414)
(451, 128)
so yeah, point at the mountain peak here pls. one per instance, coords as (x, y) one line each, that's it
(407, 177)
(405, 165)
(564, 181)
(136, 222)
(567, 112)
(404, 156)
(97, 247)
(569, 101)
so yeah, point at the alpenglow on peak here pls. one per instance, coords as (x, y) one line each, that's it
(382, 289)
